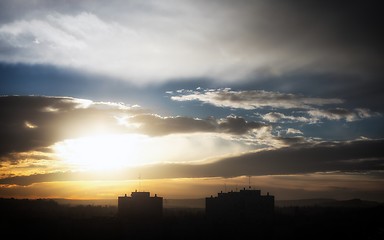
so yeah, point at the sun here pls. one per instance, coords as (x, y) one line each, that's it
(101, 152)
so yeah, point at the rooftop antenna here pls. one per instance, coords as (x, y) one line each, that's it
(139, 182)
(249, 182)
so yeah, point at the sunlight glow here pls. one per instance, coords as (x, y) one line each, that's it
(116, 151)
(101, 152)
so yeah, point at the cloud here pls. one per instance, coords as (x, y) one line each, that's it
(366, 113)
(359, 156)
(315, 115)
(36, 122)
(280, 117)
(151, 41)
(156, 125)
(294, 131)
(251, 99)
(348, 156)
(342, 113)
(339, 156)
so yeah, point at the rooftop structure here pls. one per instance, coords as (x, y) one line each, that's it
(245, 204)
(140, 205)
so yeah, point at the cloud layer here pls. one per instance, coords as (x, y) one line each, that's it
(153, 41)
(36, 122)
(360, 156)
(251, 99)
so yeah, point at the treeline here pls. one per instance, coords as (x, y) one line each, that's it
(46, 208)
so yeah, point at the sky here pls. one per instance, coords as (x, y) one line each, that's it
(188, 98)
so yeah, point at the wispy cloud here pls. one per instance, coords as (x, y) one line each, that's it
(294, 131)
(342, 113)
(252, 99)
(280, 117)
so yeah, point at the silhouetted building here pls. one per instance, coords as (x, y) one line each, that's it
(140, 205)
(245, 204)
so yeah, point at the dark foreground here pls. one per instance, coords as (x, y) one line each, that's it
(45, 219)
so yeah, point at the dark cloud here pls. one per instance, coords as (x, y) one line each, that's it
(238, 125)
(38, 154)
(49, 177)
(34, 122)
(156, 125)
(352, 156)
(347, 34)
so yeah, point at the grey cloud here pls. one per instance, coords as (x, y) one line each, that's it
(366, 113)
(238, 125)
(354, 156)
(295, 141)
(47, 177)
(44, 153)
(157, 125)
(252, 99)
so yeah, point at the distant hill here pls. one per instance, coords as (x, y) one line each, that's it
(353, 203)
(92, 202)
(167, 203)
(303, 202)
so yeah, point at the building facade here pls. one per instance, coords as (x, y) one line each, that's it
(140, 205)
(246, 204)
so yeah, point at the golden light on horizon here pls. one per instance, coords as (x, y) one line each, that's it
(116, 151)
